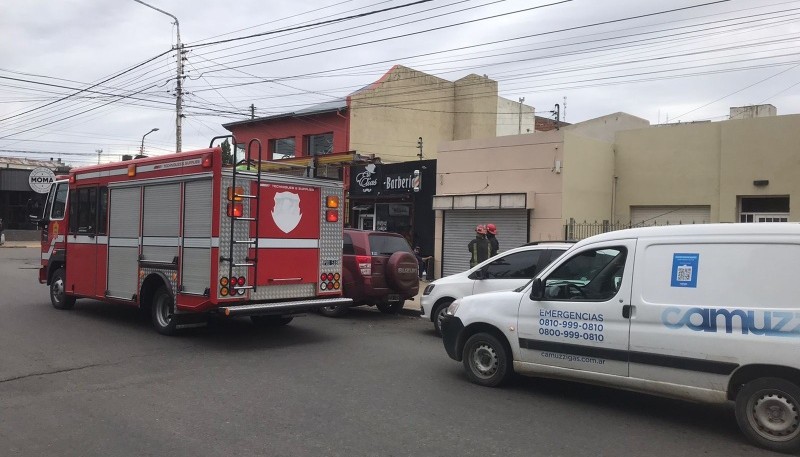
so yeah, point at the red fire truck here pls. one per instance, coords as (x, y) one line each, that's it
(184, 236)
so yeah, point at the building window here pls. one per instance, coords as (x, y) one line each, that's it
(763, 209)
(282, 148)
(319, 144)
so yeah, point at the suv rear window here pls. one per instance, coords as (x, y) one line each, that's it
(387, 245)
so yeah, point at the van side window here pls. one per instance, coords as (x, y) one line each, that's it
(592, 275)
(59, 207)
(520, 265)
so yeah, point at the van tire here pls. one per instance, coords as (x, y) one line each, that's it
(333, 311)
(437, 314)
(768, 413)
(58, 294)
(162, 312)
(486, 360)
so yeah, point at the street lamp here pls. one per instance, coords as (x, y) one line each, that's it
(141, 148)
(179, 79)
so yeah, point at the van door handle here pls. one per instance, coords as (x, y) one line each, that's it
(626, 311)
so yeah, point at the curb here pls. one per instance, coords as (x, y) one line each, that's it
(410, 312)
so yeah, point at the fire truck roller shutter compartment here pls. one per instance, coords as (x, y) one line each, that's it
(196, 257)
(123, 242)
(161, 223)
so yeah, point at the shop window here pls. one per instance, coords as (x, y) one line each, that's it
(763, 209)
(282, 148)
(319, 144)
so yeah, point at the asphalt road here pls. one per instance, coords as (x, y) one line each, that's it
(98, 381)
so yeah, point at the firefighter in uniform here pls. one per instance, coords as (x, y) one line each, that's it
(491, 235)
(480, 247)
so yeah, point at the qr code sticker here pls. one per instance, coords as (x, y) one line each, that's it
(684, 273)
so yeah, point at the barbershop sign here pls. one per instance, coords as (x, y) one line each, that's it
(373, 179)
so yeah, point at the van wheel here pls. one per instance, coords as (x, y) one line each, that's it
(486, 360)
(768, 413)
(271, 321)
(333, 311)
(391, 307)
(58, 294)
(438, 313)
(162, 311)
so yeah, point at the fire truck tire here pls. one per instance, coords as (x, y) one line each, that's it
(58, 295)
(391, 307)
(162, 311)
(333, 311)
(271, 321)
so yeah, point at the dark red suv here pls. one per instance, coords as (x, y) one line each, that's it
(379, 269)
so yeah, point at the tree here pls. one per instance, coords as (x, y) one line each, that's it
(227, 156)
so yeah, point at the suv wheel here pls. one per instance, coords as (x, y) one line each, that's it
(391, 307)
(333, 311)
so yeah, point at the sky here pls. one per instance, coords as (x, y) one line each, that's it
(78, 76)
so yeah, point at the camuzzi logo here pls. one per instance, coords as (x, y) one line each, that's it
(769, 323)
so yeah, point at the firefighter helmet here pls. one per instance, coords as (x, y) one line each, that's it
(491, 228)
(481, 230)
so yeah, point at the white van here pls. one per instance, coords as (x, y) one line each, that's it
(707, 313)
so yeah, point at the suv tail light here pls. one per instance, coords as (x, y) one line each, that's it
(364, 264)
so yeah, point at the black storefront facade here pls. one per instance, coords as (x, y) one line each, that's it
(396, 198)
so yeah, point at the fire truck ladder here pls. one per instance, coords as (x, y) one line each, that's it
(248, 165)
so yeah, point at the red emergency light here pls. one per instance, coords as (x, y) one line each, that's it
(235, 210)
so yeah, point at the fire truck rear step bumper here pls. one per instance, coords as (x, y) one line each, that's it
(290, 307)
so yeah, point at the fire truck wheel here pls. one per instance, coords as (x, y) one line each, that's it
(333, 311)
(163, 312)
(271, 321)
(391, 307)
(58, 296)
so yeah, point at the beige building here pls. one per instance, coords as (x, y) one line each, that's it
(388, 116)
(616, 169)
(525, 184)
(740, 170)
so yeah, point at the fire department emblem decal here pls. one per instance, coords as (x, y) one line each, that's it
(286, 212)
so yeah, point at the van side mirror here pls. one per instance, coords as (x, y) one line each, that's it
(537, 289)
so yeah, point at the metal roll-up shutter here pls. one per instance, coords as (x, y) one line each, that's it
(124, 213)
(670, 215)
(161, 222)
(196, 258)
(162, 206)
(459, 229)
(123, 241)
(197, 210)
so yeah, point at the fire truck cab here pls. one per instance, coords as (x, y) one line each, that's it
(184, 236)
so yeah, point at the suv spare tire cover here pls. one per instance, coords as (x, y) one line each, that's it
(401, 273)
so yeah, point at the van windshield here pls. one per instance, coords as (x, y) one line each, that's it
(380, 244)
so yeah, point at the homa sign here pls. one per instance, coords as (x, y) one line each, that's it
(40, 179)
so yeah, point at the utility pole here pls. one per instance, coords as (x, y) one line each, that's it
(557, 113)
(565, 109)
(98, 151)
(419, 146)
(252, 111)
(521, 99)
(179, 94)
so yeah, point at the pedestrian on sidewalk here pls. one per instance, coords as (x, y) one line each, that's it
(479, 247)
(491, 235)
(2, 235)
(422, 263)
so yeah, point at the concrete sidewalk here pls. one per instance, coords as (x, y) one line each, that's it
(413, 307)
(20, 244)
